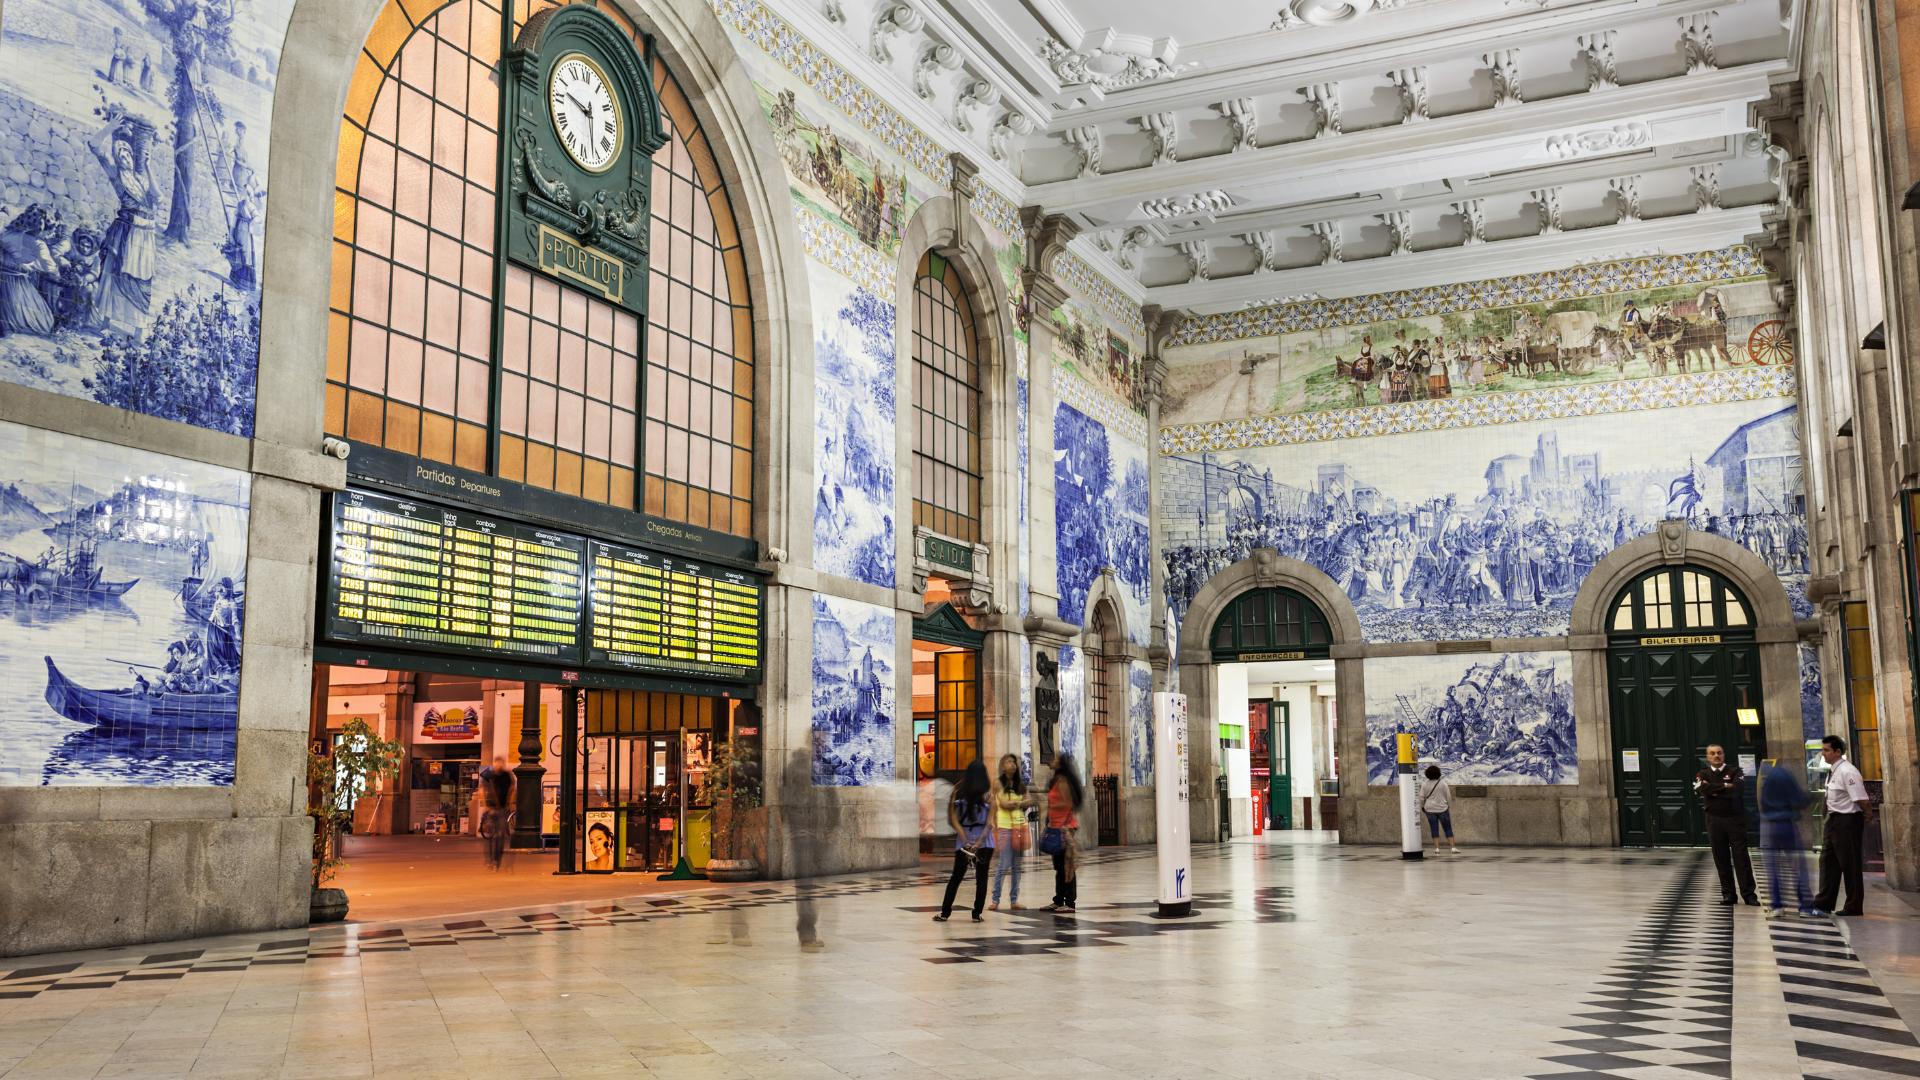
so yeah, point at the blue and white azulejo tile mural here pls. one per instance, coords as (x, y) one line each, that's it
(1140, 724)
(1489, 533)
(853, 693)
(122, 605)
(1102, 518)
(853, 421)
(133, 179)
(1070, 736)
(1485, 718)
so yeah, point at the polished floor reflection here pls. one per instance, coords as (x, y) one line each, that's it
(1302, 960)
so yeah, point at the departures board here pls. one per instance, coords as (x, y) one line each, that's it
(650, 610)
(416, 575)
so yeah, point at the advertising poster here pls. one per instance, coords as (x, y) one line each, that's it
(601, 842)
(446, 722)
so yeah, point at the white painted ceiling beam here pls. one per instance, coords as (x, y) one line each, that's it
(1446, 266)
(1681, 109)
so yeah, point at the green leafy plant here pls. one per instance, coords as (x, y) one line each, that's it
(335, 780)
(732, 788)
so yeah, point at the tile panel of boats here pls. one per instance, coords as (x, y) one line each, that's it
(122, 603)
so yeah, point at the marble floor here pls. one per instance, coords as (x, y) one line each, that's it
(1304, 959)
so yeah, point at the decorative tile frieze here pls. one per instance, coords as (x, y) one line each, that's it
(777, 38)
(835, 247)
(1090, 283)
(1099, 405)
(1665, 392)
(1626, 275)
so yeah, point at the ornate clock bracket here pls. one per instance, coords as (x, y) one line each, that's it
(614, 220)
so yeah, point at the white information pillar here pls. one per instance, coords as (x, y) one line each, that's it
(1411, 846)
(1172, 806)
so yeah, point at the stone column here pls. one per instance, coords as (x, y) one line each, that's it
(1047, 236)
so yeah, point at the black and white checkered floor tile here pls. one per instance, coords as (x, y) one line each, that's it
(34, 981)
(1664, 1010)
(1843, 1027)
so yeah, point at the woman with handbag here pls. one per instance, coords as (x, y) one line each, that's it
(1010, 833)
(1063, 799)
(971, 812)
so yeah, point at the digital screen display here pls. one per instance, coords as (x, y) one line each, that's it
(413, 574)
(650, 610)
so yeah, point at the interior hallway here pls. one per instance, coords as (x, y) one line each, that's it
(1304, 960)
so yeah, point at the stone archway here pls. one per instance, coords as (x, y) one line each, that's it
(1265, 568)
(1670, 544)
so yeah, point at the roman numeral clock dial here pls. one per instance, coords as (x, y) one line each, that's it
(585, 115)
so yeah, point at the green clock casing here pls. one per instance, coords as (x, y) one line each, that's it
(583, 122)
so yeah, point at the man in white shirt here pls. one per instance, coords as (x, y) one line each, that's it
(1848, 806)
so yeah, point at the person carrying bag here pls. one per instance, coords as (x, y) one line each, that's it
(1063, 799)
(1010, 832)
(971, 814)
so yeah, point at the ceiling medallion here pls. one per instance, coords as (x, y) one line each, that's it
(1328, 12)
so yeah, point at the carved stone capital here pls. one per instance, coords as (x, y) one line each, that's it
(1044, 294)
(1047, 236)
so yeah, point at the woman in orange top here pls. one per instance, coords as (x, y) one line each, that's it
(1063, 799)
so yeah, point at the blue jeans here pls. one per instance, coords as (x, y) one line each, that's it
(1008, 863)
(1780, 847)
(1439, 821)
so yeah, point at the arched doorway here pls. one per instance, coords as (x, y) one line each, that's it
(1683, 671)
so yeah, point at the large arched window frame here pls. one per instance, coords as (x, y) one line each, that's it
(439, 349)
(1676, 600)
(946, 403)
(1270, 624)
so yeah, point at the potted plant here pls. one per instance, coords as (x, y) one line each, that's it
(334, 781)
(732, 788)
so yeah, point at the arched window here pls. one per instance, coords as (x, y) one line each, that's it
(946, 404)
(1679, 598)
(1263, 621)
(436, 348)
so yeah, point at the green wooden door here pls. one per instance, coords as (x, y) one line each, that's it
(1681, 664)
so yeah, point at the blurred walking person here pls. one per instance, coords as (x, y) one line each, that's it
(1782, 797)
(1010, 833)
(496, 783)
(971, 812)
(1064, 795)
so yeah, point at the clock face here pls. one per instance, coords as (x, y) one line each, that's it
(585, 114)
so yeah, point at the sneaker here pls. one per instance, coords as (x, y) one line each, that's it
(1752, 901)
(1774, 912)
(1815, 913)
(1456, 851)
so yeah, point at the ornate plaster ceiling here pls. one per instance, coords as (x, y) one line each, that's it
(1219, 153)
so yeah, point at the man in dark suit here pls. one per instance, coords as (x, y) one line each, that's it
(1718, 786)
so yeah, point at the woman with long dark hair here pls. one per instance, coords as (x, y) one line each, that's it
(1064, 795)
(1010, 833)
(971, 814)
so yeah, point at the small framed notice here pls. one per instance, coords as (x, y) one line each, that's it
(1629, 761)
(1748, 717)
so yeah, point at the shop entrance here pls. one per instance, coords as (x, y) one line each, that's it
(644, 764)
(1683, 672)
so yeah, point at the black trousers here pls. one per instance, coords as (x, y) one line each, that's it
(1728, 837)
(1065, 890)
(961, 860)
(1841, 859)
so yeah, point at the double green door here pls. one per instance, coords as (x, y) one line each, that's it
(1669, 701)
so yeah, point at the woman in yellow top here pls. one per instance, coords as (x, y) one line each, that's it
(1010, 833)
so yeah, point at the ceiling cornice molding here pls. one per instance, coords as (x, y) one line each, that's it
(1418, 38)
(1448, 266)
(1364, 205)
(1676, 110)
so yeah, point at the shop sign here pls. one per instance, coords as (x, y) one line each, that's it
(1695, 639)
(446, 722)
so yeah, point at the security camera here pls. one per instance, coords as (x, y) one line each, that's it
(339, 448)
